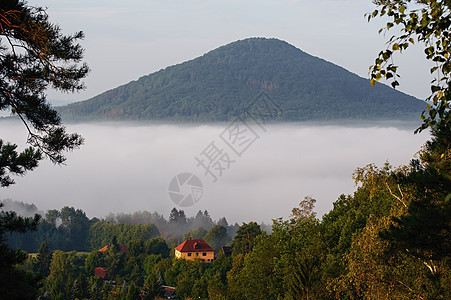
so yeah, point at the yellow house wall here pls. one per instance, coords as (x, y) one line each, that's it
(210, 255)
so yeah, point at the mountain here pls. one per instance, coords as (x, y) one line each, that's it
(221, 84)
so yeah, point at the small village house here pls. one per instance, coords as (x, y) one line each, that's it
(192, 249)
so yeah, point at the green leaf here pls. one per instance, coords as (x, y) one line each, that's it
(402, 9)
(433, 113)
(378, 76)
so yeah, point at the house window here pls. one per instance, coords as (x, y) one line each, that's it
(197, 254)
(189, 254)
(204, 254)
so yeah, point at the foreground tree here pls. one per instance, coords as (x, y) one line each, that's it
(428, 23)
(35, 55)
(15, 283)
(421, 232)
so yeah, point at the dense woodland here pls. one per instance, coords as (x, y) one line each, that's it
(220, 85)
(390, 239)
(70, 229)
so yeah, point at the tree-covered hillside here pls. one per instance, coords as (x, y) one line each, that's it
(220, 85)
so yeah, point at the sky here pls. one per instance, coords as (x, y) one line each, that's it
(129, 39)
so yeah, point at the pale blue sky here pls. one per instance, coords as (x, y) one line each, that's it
(128, 39)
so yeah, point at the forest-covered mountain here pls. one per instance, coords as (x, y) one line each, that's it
(221, 84)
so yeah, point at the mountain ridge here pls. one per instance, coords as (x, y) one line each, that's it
(219, 85)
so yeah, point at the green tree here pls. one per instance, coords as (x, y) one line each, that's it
(198, 233)
(259, 278)
(76, 225)
(14, 282)
(133, 292)
(217, 237)
(177, 219)
(94, 260)
(154, 283)
(43, 260)
(101, 233)
(16, 163)
(35, 55)
(63, 272)
(375, 271)
(428, 23)
(305, 209)
(52, 216)
(80, 288)
(422, 231)
(243, 242)
(157, 246)
(114, 259)
(235, 278)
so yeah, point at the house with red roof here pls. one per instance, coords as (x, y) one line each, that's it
(101, 272)
(192, 249)
(122, 248)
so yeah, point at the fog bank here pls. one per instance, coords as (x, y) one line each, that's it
(128, 167)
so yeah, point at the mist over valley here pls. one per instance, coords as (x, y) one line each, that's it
(126, 167)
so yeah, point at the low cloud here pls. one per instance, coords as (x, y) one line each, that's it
(128, 167)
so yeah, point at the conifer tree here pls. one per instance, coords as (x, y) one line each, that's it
(34, 56)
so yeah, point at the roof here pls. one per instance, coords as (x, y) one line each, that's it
(169, 291)
(122, 248)
(194, 245)
(100, 272)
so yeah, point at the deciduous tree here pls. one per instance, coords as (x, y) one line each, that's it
(427, 22)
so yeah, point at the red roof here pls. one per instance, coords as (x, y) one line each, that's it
(194, 245)
(122, 248)
(100, 272)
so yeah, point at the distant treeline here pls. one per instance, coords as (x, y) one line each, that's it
(70, 229)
